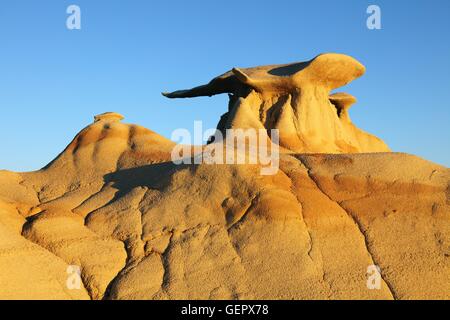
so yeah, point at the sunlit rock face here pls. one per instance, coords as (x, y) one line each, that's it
(295, 99)
(139, 226)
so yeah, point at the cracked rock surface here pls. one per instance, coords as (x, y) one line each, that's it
(141, 227)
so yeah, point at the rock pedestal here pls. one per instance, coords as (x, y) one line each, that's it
(295, 99)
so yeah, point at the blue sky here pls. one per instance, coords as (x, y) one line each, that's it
(54, 80)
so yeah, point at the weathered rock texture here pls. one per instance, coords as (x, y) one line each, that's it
(295, 99)
(143, 228)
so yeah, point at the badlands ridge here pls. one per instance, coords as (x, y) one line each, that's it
(141, 227)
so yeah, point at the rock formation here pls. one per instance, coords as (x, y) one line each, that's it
(295, 99)
(41, 232)
(109, 116)
(141, 227)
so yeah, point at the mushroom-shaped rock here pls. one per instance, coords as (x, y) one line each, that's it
(342, 101)
(295, 99)
(329, 70)
(109, 116)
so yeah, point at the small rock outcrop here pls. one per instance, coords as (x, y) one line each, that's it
(109, 116)
(295, 99)
(343, 101)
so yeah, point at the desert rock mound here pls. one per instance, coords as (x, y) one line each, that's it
(295, 99)
(140, 227)
(42, 213)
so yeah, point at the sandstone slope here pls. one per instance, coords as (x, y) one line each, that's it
(141, 227)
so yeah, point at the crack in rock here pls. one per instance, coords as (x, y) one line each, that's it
(357, 223)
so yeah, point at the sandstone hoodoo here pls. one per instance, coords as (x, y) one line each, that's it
(295, 99)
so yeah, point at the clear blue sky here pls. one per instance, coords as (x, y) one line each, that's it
(53, 80)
